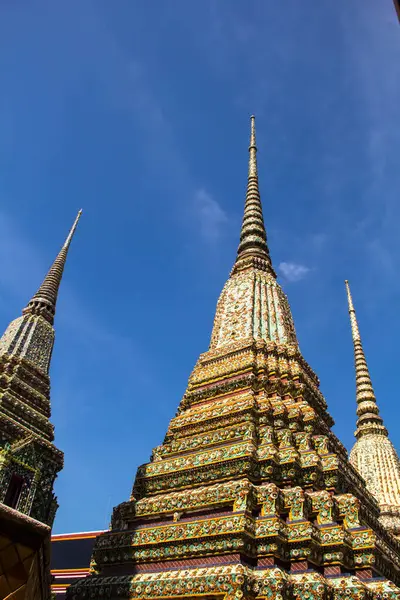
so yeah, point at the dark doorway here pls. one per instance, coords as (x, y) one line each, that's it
(14, 491)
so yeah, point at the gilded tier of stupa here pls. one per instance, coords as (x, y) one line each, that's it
(251, 495)
(373, 454)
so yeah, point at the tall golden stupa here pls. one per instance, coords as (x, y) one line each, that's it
(373, 454)
(250, 495)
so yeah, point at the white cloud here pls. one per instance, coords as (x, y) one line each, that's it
(293, 271)
(211, 216)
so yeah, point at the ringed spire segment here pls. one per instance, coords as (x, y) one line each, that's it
(44, 301)
(369, 420)
(253, 236)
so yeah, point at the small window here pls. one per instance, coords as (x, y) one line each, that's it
(14, 491)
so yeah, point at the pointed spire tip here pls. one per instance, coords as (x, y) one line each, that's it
(45, 299)
(253, 146)
(72, 231)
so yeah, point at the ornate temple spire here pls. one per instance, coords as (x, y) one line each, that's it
(45, 299)
(31, 336)
(253, 237)
(29, 461)
(369, 420)
(252, 305)
(373, 454)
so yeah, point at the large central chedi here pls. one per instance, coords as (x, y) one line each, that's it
(251, 495)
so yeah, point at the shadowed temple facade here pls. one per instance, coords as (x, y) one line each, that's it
(251, 495)
(29, 460)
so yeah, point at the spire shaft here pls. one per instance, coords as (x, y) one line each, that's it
(45, 300)
(72, 231)
(369, 420)
(253, 172)
(253, 237)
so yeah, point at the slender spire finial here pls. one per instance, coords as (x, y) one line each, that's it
(253, 237)
(45, 300)
(253, 148)
(369, 420)
(72, 231)
(353, 321)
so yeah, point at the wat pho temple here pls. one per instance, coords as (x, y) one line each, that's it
(251, 495)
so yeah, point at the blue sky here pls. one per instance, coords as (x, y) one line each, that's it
(138, 113)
